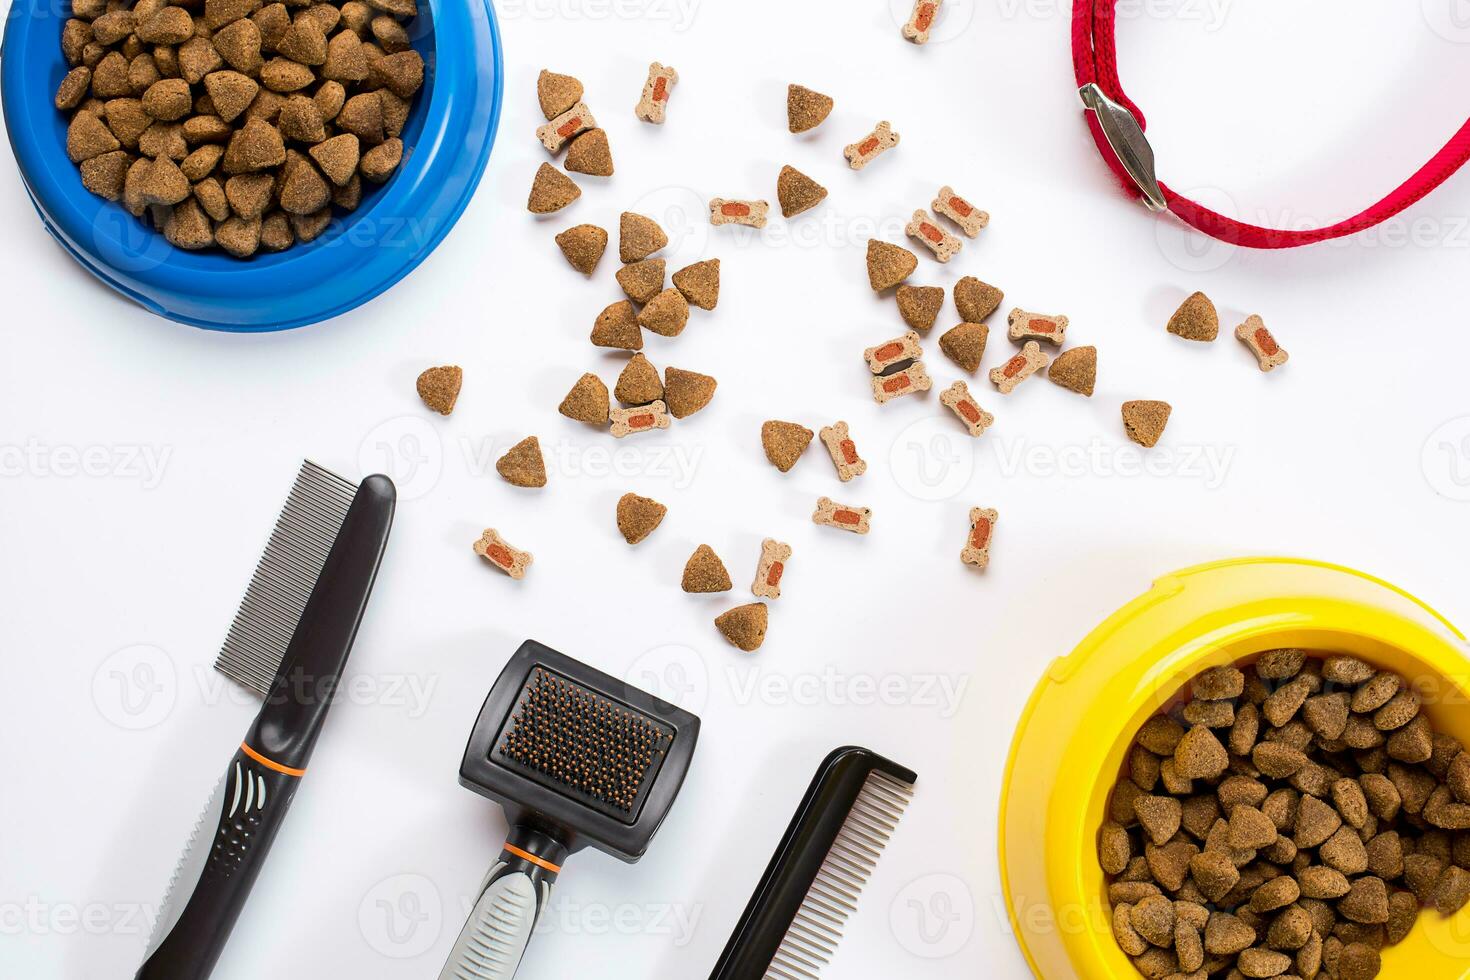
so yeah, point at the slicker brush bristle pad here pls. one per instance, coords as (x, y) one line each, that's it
(590, 748)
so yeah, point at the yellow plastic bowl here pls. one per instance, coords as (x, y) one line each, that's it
(1076, 731)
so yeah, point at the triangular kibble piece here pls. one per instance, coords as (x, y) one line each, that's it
(439, 387)
(889, 264)
(590, 154)
(686, 392)
(805, 109)
(642, 281)
(557, 93)
(704, 572)
(337, 157)
(920, 305)
(700, 283)
(965, 344)
(583, 246)
(523, 466)
(1145, 421)
(976, 300)
(639, 237)
(551, 191)
(1075, 370)
(638, 517)
(587, 401)
(784, 443)
(744, 626)
(797, 192)
(639, 384)
(1196, 319)
(617, 326)
(666, 314)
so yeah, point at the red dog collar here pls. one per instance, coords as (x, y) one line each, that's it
(1117, 126)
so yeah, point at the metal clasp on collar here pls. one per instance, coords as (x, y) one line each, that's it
(1129, 144)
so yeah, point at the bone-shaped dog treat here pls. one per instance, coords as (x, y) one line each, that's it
(566, 127)
(870, 147)
(970, 218)
(854, 519)
(661, 81)
(1019, 368)
(774, 556)
(957, 399)
(1025, 326)
(1253, 334)
(977, 546)
(925, 229)
(843, 451)
(891, 352)
(654, 415)
(752, 213)
(921, 20)
(493, 548)
(906, 382)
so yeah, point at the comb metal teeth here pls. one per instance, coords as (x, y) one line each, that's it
(284, 577)
(812, 938)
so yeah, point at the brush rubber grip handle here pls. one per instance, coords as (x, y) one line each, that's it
(220, 864)
(495, 936)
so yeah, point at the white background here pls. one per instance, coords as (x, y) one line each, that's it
(1358, 451)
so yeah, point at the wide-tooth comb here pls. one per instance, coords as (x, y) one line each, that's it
(256, 644)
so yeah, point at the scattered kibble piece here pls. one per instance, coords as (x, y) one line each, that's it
(976, 300)
(523, 465)
(566, 127)
(957, 399)
(925, 229)
(730, 212)
(920, 305)
(893, 352)
(844, 518)
(639, 236)
(590, 154)
(977, 545)
(642, 418)
(617, 326)
(557, 93)
(797, 192)
(1019, 368)
(494, 549)
(843, 451)
(911, 380)
(666, 314)
(1253, 333)
(965, 344)
(439, 387)
(638, 517)
(970, 219)
(770, 568)
(588, 401)
(656, 91)
(700, 283)
(1075, 370)
(686, 392)
(639, 383)
(1023, 326)
(805, 109)
(889, 264)
(870, 147)
(1195, 319)
(551, 191)
(1144, 421)
(642, 281)
(921, 20)
(784, 443)
(583, 246)
(704, 572)
(744, 626)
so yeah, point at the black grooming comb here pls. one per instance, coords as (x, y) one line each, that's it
(794, 921)
(576, 758)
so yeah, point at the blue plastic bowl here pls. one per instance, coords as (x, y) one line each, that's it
(447, 141)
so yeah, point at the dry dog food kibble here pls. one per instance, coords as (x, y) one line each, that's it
(588, 401)
(957, 399)
(977, 546)
(638, 517)
(729, 212)
(770, 568)
(891, 352)
(556, 93)
(704, 572)
(971, 219)
(566, 127)
(976, 300)
(494, 549)
(666, 314)
(843, 451)
(797, 192)
(854, 519)
(1195, 319)
(590, 154)
(1023, 326)
(1284, 844)
(523, 465)
(924, 229)
(439, 387)
(656, 91)
(1253, 334)
(551, 191)
(921, 19)
(617, 326)
(639, 237)
(643, 418)
(642, 281)
(639, 383)
(920, 305)
(1144, 421)
(744, 626)
(1075, 370)
(700, 283)
(965, 344)
(583, 246)
(889, 264)
(686, 392)
(805, 109)
(1019, 368)
(911, 380)
(784, 442)
(870, 147)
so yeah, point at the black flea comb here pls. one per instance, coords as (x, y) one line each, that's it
(576, 758)
(794, 921)
(289, 643)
